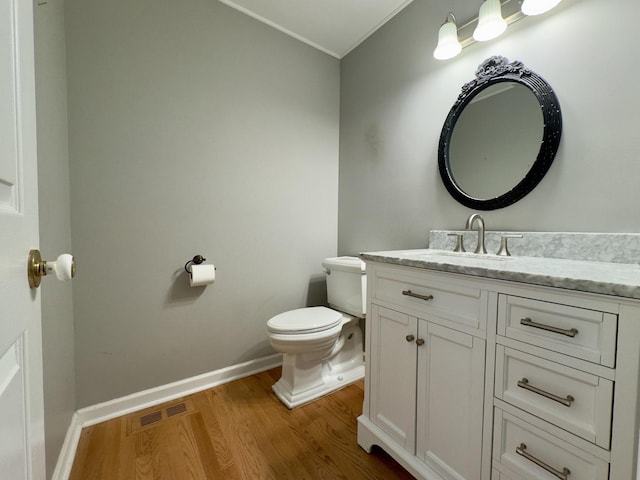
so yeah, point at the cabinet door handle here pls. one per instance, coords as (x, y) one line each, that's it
(562, 331)
(420, 342)
(562, 475)
(566, 401)
(409, 293)
(409, 338)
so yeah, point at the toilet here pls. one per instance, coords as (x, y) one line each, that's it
(322, 347)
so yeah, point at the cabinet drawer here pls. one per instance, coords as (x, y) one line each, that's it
(578, 332)
(538, 455)
(574, 400)
(429, 294)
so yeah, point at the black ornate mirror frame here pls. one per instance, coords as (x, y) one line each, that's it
(494, 70)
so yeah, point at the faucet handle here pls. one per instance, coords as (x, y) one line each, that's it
(459, 241)
(503, 251)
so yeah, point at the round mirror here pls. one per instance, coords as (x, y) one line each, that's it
(500, 136)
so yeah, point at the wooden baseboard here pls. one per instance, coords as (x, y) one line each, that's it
(147, 398)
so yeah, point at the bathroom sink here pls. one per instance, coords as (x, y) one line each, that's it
(458, 258)
(467, 255)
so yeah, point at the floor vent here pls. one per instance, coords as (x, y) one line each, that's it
(150, 418)
(176, 409)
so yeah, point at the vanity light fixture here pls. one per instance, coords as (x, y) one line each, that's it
(490, 22)
(536, 7)
(448, 44)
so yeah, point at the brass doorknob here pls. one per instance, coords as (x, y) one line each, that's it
(409, 338)
(64, 267)
(420, 342)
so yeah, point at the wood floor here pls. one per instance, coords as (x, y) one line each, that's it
(239, 430)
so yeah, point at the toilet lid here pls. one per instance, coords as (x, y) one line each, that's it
(305, 320)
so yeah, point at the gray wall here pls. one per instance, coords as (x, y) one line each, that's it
(193, 130)
(55, 229)
(395, 97)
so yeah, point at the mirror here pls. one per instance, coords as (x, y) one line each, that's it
(500, 136)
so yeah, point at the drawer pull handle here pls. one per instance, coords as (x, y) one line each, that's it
(562, 475)
(409, 293)
(562, 331)
(566, 401)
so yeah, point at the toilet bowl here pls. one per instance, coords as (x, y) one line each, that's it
(322, 347)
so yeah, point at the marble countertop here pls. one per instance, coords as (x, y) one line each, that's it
(618, 279)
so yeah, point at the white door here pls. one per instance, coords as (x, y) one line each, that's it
(21, 401)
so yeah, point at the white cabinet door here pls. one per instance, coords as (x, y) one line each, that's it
(393, 374)
(450, 401)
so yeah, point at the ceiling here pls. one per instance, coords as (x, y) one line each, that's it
(333, 26)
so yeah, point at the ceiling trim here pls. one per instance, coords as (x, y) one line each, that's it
(380, 24)
(286, 31)
(279, 27)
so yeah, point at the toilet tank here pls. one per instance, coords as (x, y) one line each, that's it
(346, 284)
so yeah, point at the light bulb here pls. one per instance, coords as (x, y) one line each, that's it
(490, 22)
(448, 44)
(536, 7)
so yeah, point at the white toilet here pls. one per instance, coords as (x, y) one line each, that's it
(322, 347)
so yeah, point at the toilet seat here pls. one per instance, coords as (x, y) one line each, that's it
(305, 320)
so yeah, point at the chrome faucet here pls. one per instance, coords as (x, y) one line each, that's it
(476, 218)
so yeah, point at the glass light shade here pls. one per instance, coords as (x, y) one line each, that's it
(490, 21)
(448, 44)
(536, 7)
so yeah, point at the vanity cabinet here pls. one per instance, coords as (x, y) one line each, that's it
(428, 385)
(481, 379)
(425, 382)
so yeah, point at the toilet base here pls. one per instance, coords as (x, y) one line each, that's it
(330, 383)
(310, 373)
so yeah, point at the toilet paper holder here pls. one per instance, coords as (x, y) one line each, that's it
(197, 260)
